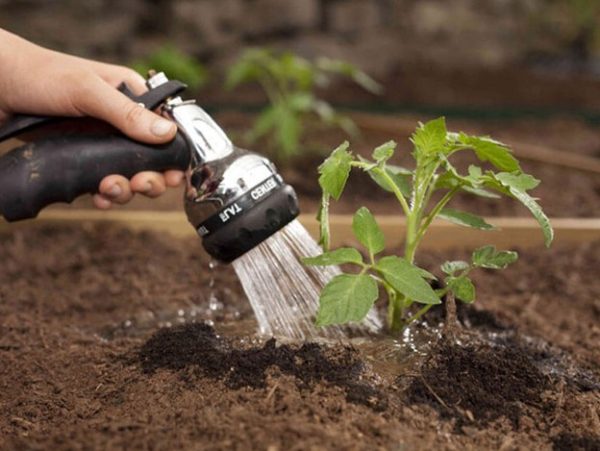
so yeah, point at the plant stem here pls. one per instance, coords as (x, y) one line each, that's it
(419, 314)
(395, 190)
(435, 211)
(451, 324)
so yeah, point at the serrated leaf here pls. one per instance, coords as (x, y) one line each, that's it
(367, 231)
(510, 187)
(335, 257)
(537, 213)
(334, 171)
(520, 181)
(347, 297)
(406, 279)
(488, 149)
(489, 257)
(452, 267)
(462, 287)
(481, 192)
(464, 218)
(400, 179)
(384, 151)
(430, 137)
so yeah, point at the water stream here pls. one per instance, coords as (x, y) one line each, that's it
(284, 293)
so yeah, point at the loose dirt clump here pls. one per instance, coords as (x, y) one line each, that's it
(478, 384)
(197, 347)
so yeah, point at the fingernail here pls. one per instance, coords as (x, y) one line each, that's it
(147, 187)
(114, 191)
(162, 127)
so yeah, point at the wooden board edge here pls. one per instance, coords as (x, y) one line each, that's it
(513, 232)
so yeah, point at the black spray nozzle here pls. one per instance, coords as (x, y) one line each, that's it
(246, 223)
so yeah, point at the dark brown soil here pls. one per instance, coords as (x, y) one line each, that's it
(487, 383)
(84, 365)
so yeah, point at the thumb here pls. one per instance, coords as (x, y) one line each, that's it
(103, 101)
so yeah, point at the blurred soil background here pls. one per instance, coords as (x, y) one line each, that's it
(525, 71)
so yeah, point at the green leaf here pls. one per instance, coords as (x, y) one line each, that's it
(349, 70)
(489, 257)
(384, 152)
(430, 137)
(464, 218)
(265, 122)
(406, 279)
(175, 64)
(367, 231)
(399, 178)
(426, 274)
(301, 102)
(462, 287)
(347, 297)
(488, 149)
(512, 185)
(481, 192)
(519, 181)
(334, 171)
(335, 257)
(537, 213)
(452, 267)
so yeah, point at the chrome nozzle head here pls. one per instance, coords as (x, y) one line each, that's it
(235, 199)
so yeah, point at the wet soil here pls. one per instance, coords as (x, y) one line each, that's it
(76, 371)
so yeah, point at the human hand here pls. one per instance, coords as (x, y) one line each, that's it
(35, 80)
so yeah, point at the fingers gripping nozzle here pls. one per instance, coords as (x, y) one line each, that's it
(235, 199)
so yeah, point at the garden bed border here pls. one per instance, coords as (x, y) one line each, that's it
(512, 231)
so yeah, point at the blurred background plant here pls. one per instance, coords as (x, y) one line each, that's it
(175, 64)
(290, 84)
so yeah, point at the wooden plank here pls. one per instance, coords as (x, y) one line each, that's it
(514, 232)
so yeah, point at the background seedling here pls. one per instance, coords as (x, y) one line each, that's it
(176, 64)
(423, 194)
(290, 82)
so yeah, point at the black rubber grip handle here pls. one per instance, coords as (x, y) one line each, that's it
(59, 169)
(151, 99)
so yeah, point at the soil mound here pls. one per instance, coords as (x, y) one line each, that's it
(478, 384)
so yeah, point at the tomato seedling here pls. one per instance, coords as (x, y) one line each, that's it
(423, 194)
(290, 82)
